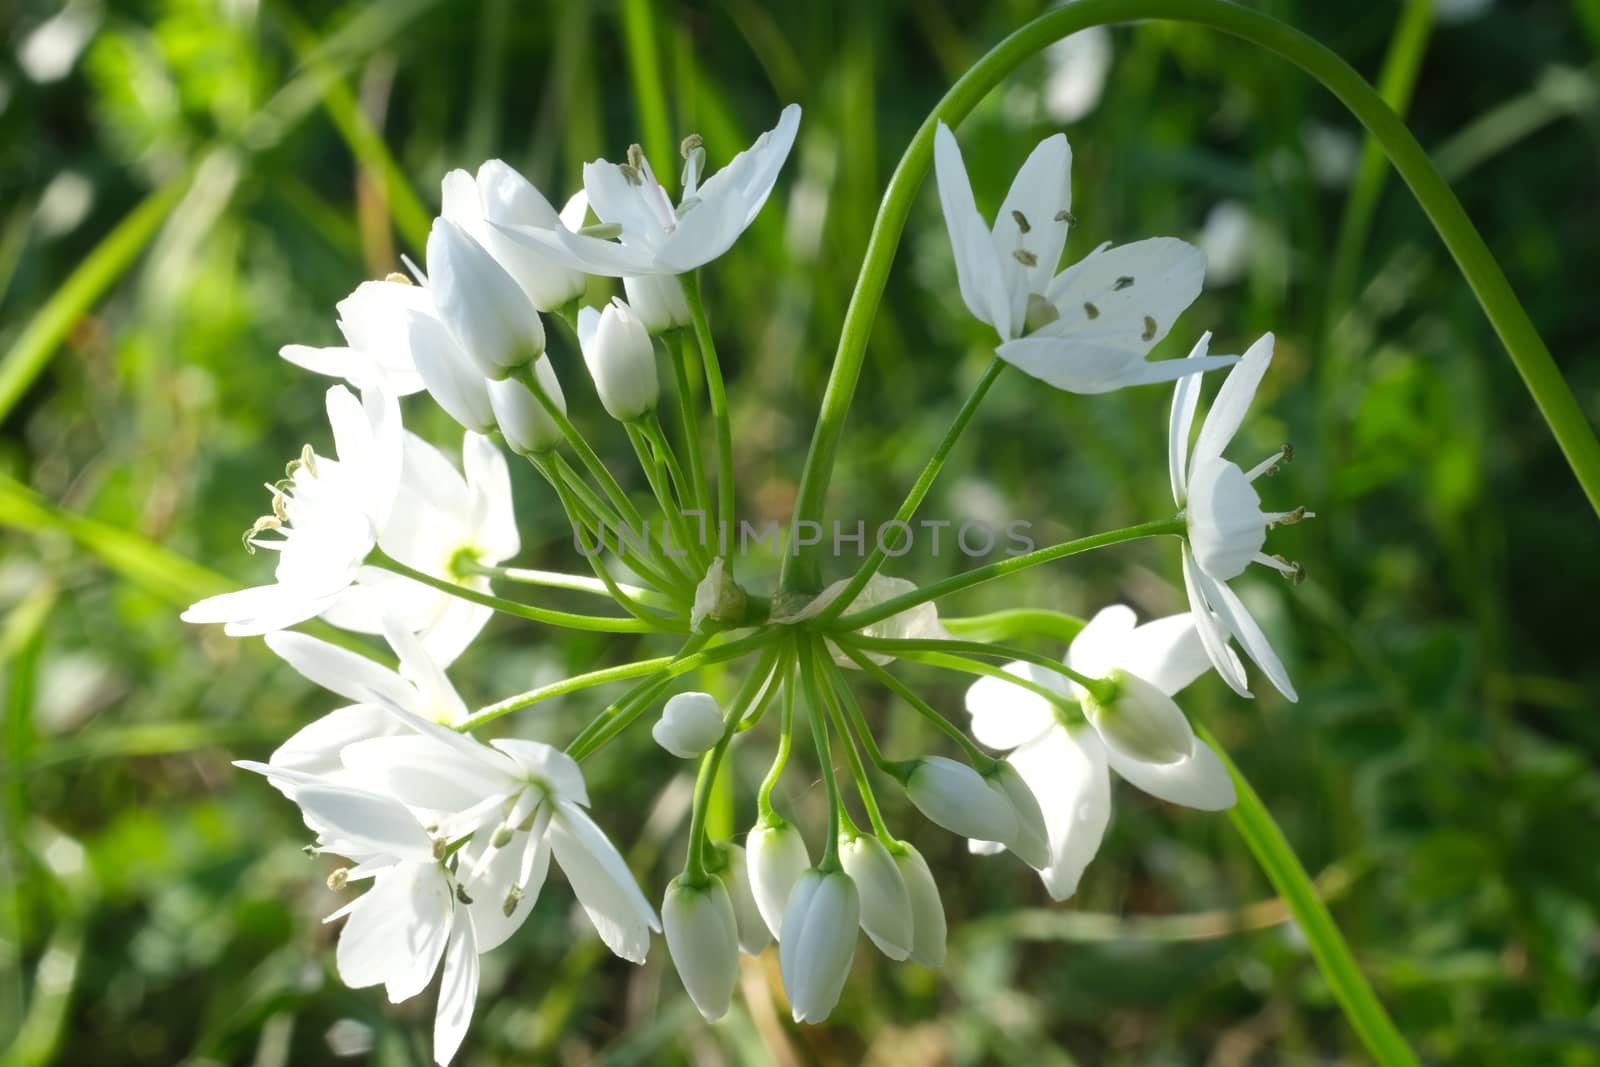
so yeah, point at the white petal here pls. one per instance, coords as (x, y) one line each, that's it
(396, 932)
(1042, 194)
(366, 821)
(1199, 782)
(350, 674)
(602, 883)
(453, 382)
(1091, 366)
(433, 695)
(1005, 715)
(1067, 773)
(1184, 400)
(258, 610)
(979, 273)
(547, 764)
(1212, 636)
(1098, 646)
(1167, 653)
(314, 749)
(1233, 400)
(1231, 610)
(458, 991)
(499, 878)
(422, 774)
(1097, 301)
(490, 483)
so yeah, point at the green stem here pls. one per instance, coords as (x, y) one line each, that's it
(689, 417)
(491, 712)
(918, 492)
(847, 698)
(655, 472)
(979, 575)
(599, 516)
(819, 733)
(576, 583)
(979, 758)
(899, 646)
(781, 758)
(719, 406)
(1283, 869)
(1016, 622)
(548, 616)
(869, 799)
(802, 572)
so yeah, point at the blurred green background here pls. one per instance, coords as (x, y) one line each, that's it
(186, 185)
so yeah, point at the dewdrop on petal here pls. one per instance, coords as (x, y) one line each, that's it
(690, 725)
(703, 940)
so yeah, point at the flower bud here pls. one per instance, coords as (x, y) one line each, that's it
(776, 857)
(1032, 843)
(927, 911)
(621, 360)
(528, 428)
(958, 798)
(1139, 721)
(885, 902)
(818, 942)
(753, 933)
(704, 942)
(690, 724)
(450, 378)
(489, 316)
(659, 301)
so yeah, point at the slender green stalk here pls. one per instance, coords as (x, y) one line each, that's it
(979, 575)
(918, 492)
(490, 712)
(755, 688)
(593, 514)
(980, 758)
(898, 646)
(718, 396)
(1016, 622)
(1567, 422)
(1062, 703)
(548, 616)
(819, 734)
(869, 799)
(576, 583)
(686, 491)
(644, 69)
(689, 417)
(655, 472)
(847, 698)
(781, 758)
(1284, 870)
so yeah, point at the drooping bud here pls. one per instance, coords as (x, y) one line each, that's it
(527, 426)
(1140, 721)
(818, 942)
(1032, 842)
(927, 911)
(753, 933)
(885, 902)
(690, 725)
(621, 360)
(485, 310)
(959, 799)
(658, 300)
(776, 858)
(703, 940)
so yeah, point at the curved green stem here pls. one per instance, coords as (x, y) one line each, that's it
(802, 572)
(689, 417)
(781, 758)
(548, 616)
(869, 799)
(1014, 623)
(1283, 869)
(980, 759)
(979, 575)
(819, 733)
(918, 492)
(594, 515)
(491, 712)
(898, 646)
(718, 396)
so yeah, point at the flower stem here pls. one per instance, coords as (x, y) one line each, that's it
(781, 758)
(830, 693)
(1016, 622)
(718, 396)
(1063, 704)
(491, 712)
(979, 758)
(690, 417)
(1567, 422)
(898, 646)
(979, 575)
(566, 481)
(655, 472)
(1283, 869)
(548, 616)
(918, 492)
(819, 733)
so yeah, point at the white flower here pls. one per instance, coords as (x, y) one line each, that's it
(412, 917)
(377, 351)
(439, 521)
(735, 874)
(622, 361)
(659, 301)
(527, 426)
(1089, 328)
(499, 196)
(776, 858)
(1065, 766)
(1226, 526)
(523, 802)
(655, 236)
(703, 940)
(886, 914)
(328, 515)
(486, 311)
(818, 942)
(690, 724)
(927, 912)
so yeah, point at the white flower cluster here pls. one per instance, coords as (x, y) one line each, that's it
(387, 536)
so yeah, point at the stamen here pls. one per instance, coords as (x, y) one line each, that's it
(396, 277)
(339, 879)
(1022, 221)
(630, 173)
(1067, 217)
(636, 158)
(441, 848)
(1025, 257)
(1269, 466)
(1149, 329)
(1090, 310)
(416, 271)
(461, 894)
(308, 460)
(1122, 283)
(1295, 572)
(261, 525)
(513, 898)
(690, 143)
(1289, 518)
(603, 230)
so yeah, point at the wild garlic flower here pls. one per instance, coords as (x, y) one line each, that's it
(653, 235)
(377, 350)
(1089, 328)
(499, 196)
(1226, 526)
